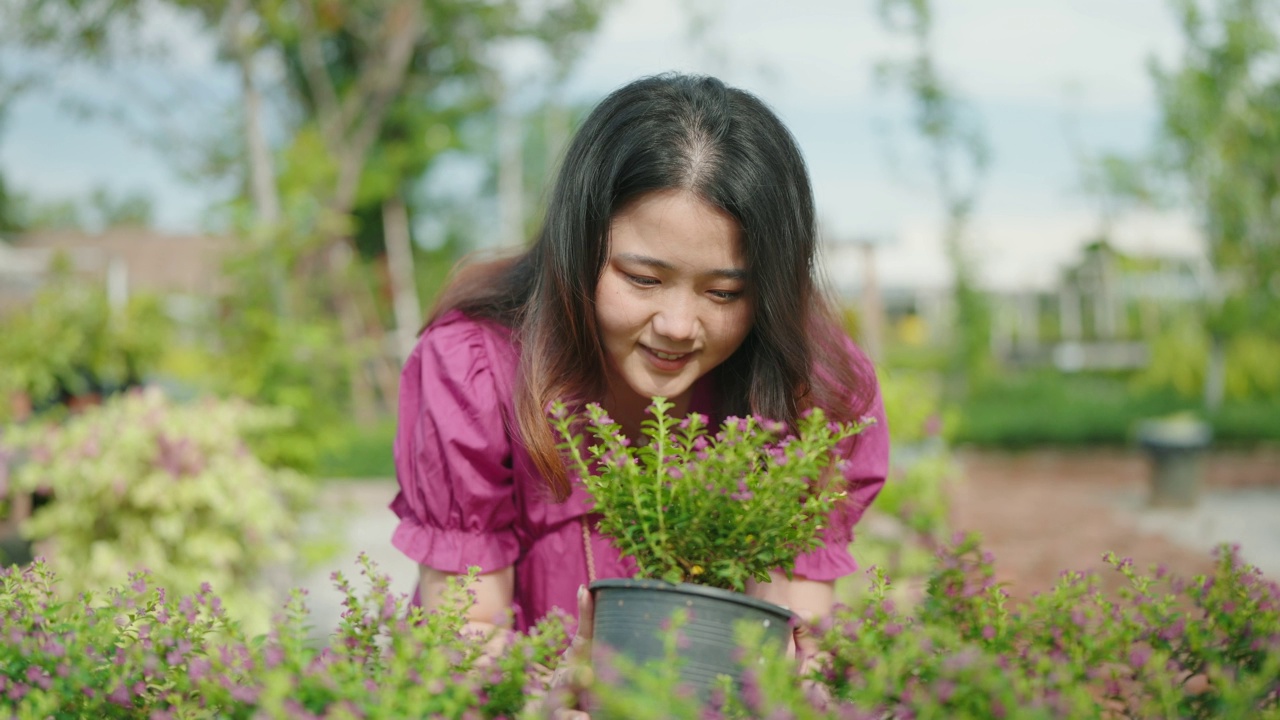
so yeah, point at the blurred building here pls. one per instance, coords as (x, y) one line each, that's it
(184, 271)
(1103, 312)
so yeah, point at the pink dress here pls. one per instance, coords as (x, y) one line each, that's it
(469, 495)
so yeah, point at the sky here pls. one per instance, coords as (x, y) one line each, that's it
(1046, 79)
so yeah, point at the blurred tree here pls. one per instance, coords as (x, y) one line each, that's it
(12, 85)
(1221, 135)
(110, 209)
(958, 157)
(373, 92)
(10, 214)
(100, 210)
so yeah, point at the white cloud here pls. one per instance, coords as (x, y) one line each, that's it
(1011, 51)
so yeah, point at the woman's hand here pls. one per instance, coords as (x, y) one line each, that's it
(809, 600)
(574, 673)
(811, 659)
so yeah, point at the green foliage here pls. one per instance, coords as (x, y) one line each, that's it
(910, 515)
(297, 366)
(714, 510)
(913, 405)
(142, 483)
(142, 651)
(70, 342)
(360, 452)
(1034, 409)
(1050, 408)
(1072, 652)
(958, 159)
(1221, 137)
(1160, 646)
(1179, 356)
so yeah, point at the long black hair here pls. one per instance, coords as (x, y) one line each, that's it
(728, 148)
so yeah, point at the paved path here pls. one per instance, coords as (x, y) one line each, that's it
(1044, 512)
(354, 516)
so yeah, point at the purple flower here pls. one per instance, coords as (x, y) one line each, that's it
(120, 696)
(198, 668)
(37, 676)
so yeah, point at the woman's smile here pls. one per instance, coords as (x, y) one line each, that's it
(668, 362)
(673, 301)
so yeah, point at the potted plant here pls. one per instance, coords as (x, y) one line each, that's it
(702, 514)
(1176, 446)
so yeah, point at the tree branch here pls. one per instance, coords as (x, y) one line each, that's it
(311, 56)
(378, 86)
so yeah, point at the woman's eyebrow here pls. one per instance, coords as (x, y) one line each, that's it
(653, 262)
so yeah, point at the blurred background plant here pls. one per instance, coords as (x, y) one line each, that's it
(141, 483)
(69, 346)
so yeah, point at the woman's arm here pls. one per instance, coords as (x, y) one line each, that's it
(811, 600)
(490, 611)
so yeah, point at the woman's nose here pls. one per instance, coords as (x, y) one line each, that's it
(676, 320)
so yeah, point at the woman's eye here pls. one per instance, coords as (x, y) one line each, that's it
(639, 280)
(725, 294)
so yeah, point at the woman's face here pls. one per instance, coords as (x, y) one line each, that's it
(672, 302)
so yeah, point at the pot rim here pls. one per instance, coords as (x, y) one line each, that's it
(692, 589)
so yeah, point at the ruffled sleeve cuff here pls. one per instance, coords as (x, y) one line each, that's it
(455, 551)
(826, 564)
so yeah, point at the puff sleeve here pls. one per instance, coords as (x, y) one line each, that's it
(456, 504)
(865, 472)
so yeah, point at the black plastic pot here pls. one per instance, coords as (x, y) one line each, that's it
(630, 617)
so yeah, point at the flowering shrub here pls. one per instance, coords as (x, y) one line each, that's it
(1207, 647)
(144, 653)
(715, 510)
(141, 482)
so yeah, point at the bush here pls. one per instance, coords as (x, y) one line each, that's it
(1037, 409)
(909, 518)
(138, 651)
(360, 452)
(1208, 647)
(140, 482)
(69, 342)
(1204, 647)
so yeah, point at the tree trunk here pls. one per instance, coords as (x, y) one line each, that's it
(1215, 375)
(262, 174)
(404, 289)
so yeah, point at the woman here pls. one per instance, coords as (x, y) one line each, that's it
(676, 259)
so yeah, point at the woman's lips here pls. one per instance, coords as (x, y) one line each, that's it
(668, 362)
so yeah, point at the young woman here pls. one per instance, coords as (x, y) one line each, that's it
(676, 259)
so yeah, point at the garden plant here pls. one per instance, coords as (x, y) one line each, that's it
(711, 509)
(144, 482)
(1162, 646)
